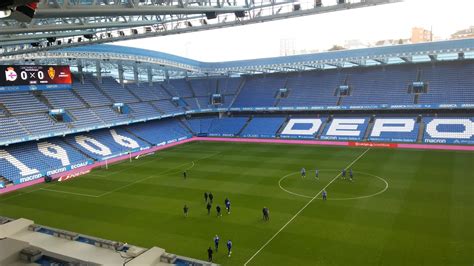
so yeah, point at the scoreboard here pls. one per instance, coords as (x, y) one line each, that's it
(34, 77)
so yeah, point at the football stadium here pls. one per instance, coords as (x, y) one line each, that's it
(121, 155)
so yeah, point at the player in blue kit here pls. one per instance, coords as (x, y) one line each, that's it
(325, 194)
(351, 176)
(343, 173)
(229, 247)
(227, 205)
(216, 242)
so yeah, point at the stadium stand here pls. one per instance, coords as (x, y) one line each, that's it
(145, 92)
(28, 159)
(200, 126)
(40, 123)
(90, 94)
(312, 89)
(160, 132)
(395, 129)
(63, 99)
(228, 126)
(115, 91)
(22, 103)
(260, 91)
(265, 127)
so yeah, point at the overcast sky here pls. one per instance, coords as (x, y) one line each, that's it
(392, 21)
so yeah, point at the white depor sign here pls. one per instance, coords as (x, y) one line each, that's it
(345, 127)
(392, 125)
(100, 150)
(54, 151)
(123, 140)
(315, 125)
(432, 128)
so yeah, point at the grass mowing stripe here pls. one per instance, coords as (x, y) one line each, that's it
(72, 193)
(304, 207)
(148, 177)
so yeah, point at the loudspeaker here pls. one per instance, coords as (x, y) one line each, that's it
(211, 15)
(240, 14)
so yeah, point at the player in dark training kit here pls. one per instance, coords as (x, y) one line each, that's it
(185, 174)
(208, 207)
(325, 195)
(351, 176)
(303, 172)
(266, 214)
(205, 196)
(211, 197)
(209, 254)
(185, 210)
(218, 210)
(343, 173)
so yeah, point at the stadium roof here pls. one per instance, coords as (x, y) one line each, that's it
(112, 55)
(66, 23)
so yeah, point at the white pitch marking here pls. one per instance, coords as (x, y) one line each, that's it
(302, 209)
(143, 179)
(352, 198)
(71, 193)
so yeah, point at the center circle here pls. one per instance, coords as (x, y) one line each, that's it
(310, 179)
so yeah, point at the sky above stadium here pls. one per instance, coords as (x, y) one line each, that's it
(317, 32)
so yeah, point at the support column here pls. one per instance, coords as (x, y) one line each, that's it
(167, 76)
(80, 69)
(120, 73)
(98, 70)
(135, 74)
(150, 76)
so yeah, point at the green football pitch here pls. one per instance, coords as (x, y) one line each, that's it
(404, 207)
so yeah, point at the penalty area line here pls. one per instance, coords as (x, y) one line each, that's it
(303, 208)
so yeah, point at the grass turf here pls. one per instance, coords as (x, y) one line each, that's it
(425, 217)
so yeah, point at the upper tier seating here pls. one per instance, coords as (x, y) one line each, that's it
(63, 99)
(89, 93)
(147, 93)
(22, 103)
(115, 91)
(260, 91)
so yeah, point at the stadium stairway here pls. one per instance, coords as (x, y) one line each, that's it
(40, 97)
(86, 104)
(421, 130)
(237, 93)
(131, 91)
(5, 110)
(369, 128)
(98, 86)
(186, 125)
(167, 87)
(245, 125)
(323, 127)
(190, 85)
(283, 125)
